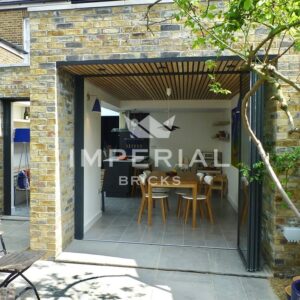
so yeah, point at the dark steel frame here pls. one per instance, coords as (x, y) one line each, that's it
(253, 256)
(6, 104)
(78, 145)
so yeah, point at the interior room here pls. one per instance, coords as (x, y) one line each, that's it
(178, 96)
(20, 158)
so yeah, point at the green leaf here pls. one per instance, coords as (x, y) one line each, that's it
(247, 4)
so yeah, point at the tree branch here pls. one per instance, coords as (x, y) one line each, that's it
(274, 60)
(285, 79)
(264, 156)
(148, 13)
(275, 32)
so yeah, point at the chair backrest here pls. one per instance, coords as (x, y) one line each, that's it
(142, 182)
(147, 173)
(200, 176)
(208, 181)
(200, 182)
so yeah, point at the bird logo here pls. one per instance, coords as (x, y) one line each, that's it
(149, 127)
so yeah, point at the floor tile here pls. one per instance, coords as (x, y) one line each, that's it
(258, 289)
(228, 288)
(196, 259)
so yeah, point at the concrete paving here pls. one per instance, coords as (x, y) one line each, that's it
(87, 282)
(57, 280)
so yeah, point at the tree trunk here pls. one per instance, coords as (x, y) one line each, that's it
(264, 156)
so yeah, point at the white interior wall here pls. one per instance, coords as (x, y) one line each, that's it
(231, 171)
(92, 143)
(196, 132)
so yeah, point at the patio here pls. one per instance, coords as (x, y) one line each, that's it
(15, 234)
(118, 240)
(73, 281)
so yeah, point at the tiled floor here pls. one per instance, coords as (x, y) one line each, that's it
(116, 239)
(119, 224)
(86, 282)
(176, 258)
(15, 234)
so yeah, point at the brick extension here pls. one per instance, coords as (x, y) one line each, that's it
(113, 33)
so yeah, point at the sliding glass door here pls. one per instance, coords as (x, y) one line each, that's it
(250, 193)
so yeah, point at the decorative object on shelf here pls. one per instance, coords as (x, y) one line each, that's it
(26, 113)
(222, 136)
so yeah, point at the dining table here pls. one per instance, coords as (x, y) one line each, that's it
(182, 180)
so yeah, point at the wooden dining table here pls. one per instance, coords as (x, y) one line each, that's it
(159, 179)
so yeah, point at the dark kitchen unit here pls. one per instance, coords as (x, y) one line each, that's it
(117, 179)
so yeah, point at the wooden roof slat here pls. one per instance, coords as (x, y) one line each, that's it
(149, 80)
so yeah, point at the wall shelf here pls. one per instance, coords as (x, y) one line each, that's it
(21, 121)
(223, 139)
(221, 123)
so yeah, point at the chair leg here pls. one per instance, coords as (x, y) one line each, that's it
(184, 205)
(141, 211)
(163, 211)
(179, 205)
(187, 210)
(201, 210)
(167, 204)
(32, 286)
(3, 245)
(134, 183)
(209, 211)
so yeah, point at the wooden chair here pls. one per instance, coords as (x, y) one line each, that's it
(2, 244)
(137, 170)
(206, 198)
(155, 196)
(15, 264)
(182, 192)
(220, 184)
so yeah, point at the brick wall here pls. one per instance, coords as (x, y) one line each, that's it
(65, 90)
(281, 255)
(11, 26)
(8, 58)
(111, 33)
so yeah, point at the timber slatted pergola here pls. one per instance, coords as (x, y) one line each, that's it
(148, 79)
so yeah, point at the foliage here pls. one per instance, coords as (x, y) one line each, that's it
(254, 173)
(222, 26)
(286, 163)
(229, 25)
